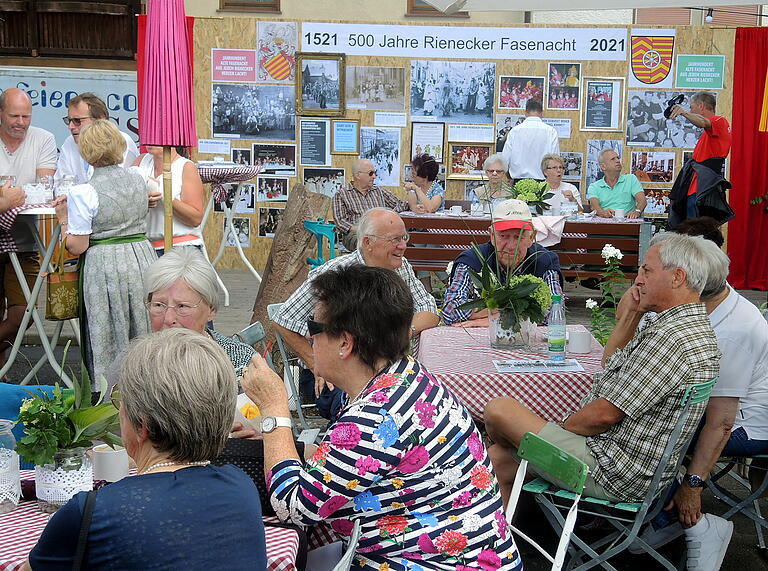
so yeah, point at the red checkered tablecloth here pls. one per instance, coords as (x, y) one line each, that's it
(462, 359)
(221, 175)
(21, 528)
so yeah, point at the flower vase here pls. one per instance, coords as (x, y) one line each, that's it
(71, 471)
(506, 331)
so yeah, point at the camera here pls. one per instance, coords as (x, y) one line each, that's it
(676, 100)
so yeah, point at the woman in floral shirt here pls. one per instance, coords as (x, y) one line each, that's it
(403, 457)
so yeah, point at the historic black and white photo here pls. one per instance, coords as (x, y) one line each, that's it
(653, 166)
(241, 156)
(375, 88)
(453, 91)
(272, 189)
(327, 181)
(573, 165)
(504, 124)
(275, 159)
(269, 218)
(264, 112)
(594, 146)
(647, 126)
(242, 234)
(381, 146)
(320, 86)
(247, 202)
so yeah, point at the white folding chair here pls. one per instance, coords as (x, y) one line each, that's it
(349, 555)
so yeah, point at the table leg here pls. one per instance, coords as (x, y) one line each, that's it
(41, 360)
(208, 210)
(229, 214)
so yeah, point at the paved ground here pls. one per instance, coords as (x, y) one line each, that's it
(743, 554)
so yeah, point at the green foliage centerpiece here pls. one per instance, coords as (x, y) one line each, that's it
(611, 285)
(533, 193)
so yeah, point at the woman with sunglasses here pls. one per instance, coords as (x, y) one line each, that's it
(177, 392)
(403, 457)
(425, 194)
(105, 222)
(187, 192)
(498, 186)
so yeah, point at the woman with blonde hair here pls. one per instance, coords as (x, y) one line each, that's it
(104, 221)
(553, 167)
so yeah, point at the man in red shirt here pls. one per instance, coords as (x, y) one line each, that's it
(713, 145)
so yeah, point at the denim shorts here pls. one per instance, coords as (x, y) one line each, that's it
(739, 444)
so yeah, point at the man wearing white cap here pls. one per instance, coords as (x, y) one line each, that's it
(511, 247)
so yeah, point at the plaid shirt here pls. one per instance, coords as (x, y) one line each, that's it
(646, 380)
(461, 290)
(297, 308)
(349, 204)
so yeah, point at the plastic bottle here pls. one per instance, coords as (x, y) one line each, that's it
(10, 486)
(556, 330)
(477, 208)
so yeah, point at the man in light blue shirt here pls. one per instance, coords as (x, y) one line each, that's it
(615, 191)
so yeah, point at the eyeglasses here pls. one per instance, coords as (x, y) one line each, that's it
(314, 327)
(76, 120)
(114, 397)
(494, 171)
(396, 240)
(181, 309)
(556, 167)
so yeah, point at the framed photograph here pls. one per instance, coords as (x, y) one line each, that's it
(465, 162)
(653, 166)
(657, 205)
(603, 108)
(242, 234)
(647, 127)
(269, 220)
(324, 181)
(428, 138)
(276, 159)
(470, 186)
(563, 85)
(453, 91)
(272, 189)
(375, 88)
(247, 111)
(241, 156)
(320, 85)
(315, 138)
(345, 137)
(381, 146)
(515, 91)
(573, 165)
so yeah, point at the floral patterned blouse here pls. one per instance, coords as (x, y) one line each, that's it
(406, 460)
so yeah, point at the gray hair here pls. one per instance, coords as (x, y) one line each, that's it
(365, 226)
(706, 98)
(357, 166)
(551, 157)
(602, 154)
(181, 387)
(185, 263)
(705, 265)
(496, 158)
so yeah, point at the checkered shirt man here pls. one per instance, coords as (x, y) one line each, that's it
(349, 204)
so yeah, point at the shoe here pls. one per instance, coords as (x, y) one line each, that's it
(657, 537)
(707, 551)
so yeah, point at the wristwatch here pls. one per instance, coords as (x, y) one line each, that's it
(270, 423)
(693, 480)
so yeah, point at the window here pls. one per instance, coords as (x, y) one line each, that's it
(421, 8)
(663, 16)
(272, 6)
(735, 16)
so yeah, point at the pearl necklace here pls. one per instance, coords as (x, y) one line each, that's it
(165, 464)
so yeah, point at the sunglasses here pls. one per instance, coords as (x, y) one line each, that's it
(370, 173)
(314, 327)
(494, 171)
(76, 120)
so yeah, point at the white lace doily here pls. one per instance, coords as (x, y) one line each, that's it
(10, 487)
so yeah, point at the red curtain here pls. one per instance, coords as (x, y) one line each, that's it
(140, 57)
(748, 232)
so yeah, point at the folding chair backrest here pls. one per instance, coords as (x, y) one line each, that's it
(346, 561)
(570, 472)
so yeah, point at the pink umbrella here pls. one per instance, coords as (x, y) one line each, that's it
(166, 105)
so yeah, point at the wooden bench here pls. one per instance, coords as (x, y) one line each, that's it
(437, 240)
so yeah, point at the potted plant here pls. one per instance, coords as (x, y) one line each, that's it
(533, 193)
(58, 430)
(516, 303)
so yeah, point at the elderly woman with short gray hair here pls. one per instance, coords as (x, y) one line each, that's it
(499, 186)
(177, 393)
(182, 291)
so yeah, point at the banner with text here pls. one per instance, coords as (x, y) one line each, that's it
(465, 42)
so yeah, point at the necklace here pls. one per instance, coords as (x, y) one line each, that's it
(165, 464)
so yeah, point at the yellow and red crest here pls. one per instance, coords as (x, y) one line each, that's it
(652, 57)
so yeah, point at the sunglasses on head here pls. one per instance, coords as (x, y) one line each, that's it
(314, 327)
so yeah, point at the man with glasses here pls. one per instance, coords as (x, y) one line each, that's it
(81, 111)
(381, 242)
(528, 142)
(360, 195)
(26, 153)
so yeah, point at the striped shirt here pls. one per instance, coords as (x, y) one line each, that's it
(349, 204)
(406, 460)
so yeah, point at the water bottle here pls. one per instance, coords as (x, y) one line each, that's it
(477, 208)
(10, 486)
(556, 330)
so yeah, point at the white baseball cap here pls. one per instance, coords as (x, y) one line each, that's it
(511, 214)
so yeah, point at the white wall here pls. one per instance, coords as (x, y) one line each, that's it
(558, 17)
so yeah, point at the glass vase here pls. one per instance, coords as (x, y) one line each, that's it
(71, 471)
(506, 331)
(10, 486)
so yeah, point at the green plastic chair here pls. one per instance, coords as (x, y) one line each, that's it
(626, 517)
(321, 229)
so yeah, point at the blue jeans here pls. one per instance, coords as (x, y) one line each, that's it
(692, 210)
(329, 403)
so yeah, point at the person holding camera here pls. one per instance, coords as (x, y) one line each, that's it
(699, 185)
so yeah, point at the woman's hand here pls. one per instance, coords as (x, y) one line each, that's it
(60, 206)
(240, 430)
(569, 195)
(265, 388)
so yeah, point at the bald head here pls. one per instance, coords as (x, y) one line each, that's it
(381, 238)
(15, 115)
(363, 174)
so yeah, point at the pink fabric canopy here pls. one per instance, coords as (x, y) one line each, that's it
(166, 113)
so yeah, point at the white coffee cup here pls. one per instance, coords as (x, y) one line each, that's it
(109, 464)
(456, 210)
(579, 341)
(618, 213)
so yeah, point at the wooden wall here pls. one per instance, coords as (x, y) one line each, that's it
(240, 33)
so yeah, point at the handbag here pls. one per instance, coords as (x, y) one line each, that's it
(61, 301)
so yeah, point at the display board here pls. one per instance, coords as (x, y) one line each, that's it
(601, 87)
